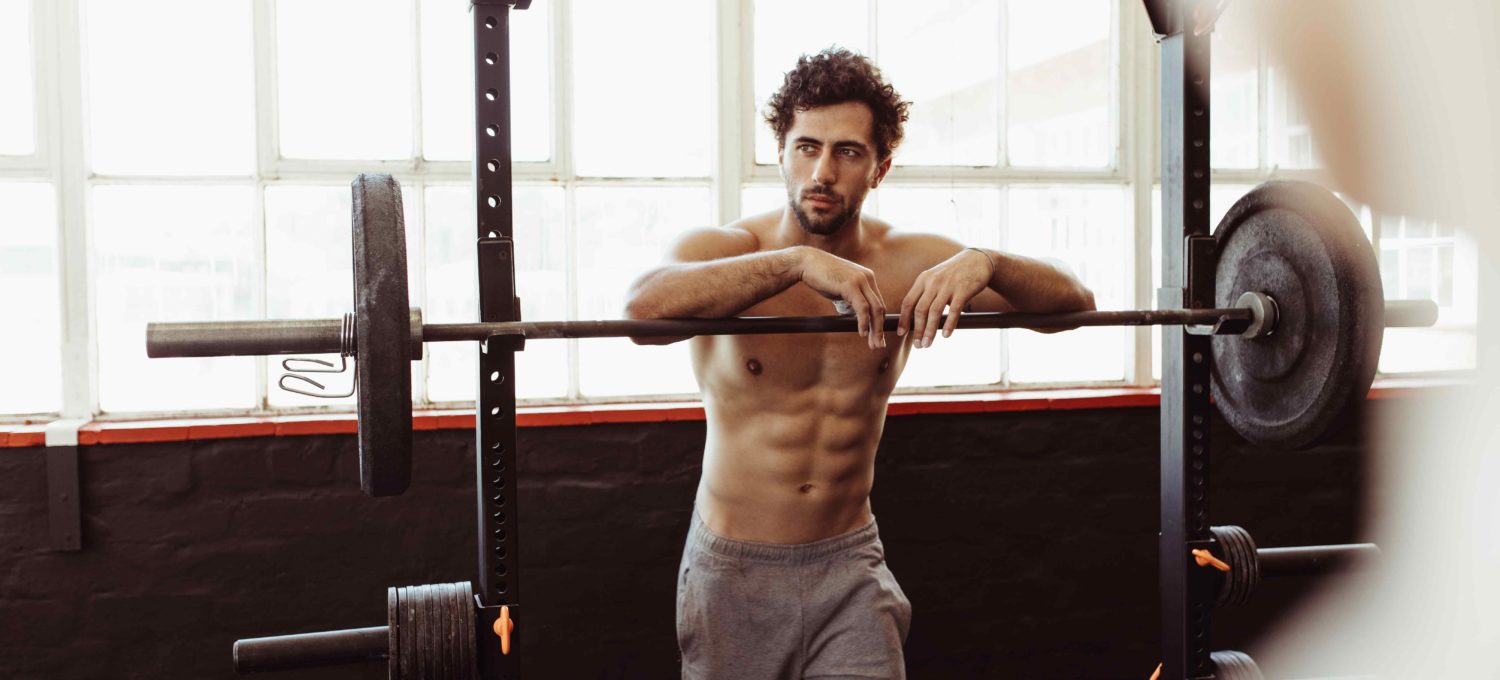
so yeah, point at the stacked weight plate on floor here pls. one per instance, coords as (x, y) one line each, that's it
(1299, 244)
(431, 631)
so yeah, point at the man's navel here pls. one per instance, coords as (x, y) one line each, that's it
(885, 365)
(753, 365)
(805, 488)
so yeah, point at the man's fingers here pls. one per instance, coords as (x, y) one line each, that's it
(861, 312)
(877, 317)
(907, 304)
(955, 306)
(919, 315)
(934, 320)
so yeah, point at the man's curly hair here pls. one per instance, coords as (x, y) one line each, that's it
(835, 76)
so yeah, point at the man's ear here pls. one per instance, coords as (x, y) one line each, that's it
(880, 170)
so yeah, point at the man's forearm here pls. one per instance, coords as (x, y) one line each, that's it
(714, 289)
(1032, 285)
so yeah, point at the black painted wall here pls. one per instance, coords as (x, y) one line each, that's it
(1026, 542)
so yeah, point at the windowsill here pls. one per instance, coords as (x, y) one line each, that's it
(192, 429)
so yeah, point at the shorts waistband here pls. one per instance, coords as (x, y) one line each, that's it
(700, 536)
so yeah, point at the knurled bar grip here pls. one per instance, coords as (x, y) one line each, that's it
(308, 650)
(322, 336)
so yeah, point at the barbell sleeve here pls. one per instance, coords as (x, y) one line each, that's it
(309, 650)
(243, 338)
(1410, 313)
(1314, 559)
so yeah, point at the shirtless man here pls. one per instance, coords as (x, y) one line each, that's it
(783, 575)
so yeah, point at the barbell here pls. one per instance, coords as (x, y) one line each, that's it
(1298, 323)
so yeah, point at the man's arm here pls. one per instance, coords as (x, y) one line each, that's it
(969, 275)
(717, 272)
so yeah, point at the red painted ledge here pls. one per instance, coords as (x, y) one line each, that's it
(190, 429)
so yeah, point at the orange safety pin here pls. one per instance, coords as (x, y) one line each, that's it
(1206, 558)
(504, 626)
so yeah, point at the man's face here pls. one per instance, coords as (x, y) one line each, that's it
(829, 162)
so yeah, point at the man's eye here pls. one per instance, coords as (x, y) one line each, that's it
(851, 153)
(805, 148)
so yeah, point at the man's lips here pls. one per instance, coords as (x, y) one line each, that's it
(821, 201)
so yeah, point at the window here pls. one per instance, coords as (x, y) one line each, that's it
(181, 160)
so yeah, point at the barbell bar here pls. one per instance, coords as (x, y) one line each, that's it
(327, 336)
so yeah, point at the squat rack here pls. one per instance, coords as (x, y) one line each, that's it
(1187, 592)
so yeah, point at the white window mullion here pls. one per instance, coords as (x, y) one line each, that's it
(267, 166)
(728, 148)
(80, 394)
(562, 93)
(267, 138)
(1002, 139)
(1138, 106)
(417, 148)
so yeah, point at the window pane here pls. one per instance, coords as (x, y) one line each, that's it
(17, 84)
(622, 232)
(172, 253)
(944, 57)
(29, 290)
(1060, 83)
(345, 86)
(452, 289)
(154, 111)
(1235, 89)
(644, 107)
(758, 199)
(1290, 140)
(1084, 229)
(448, 82)
(971, 217)
(1421, 259)
(788, 29)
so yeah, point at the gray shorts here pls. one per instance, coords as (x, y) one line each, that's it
(827, 609)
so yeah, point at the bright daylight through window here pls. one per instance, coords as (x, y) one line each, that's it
(204, 175)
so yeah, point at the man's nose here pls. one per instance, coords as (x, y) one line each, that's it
(823, 169)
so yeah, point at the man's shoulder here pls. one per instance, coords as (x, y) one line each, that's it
(711, 243)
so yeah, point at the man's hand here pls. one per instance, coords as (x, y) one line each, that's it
(841, 280)
(951, 284)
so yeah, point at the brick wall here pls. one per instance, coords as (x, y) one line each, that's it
(1026, 541)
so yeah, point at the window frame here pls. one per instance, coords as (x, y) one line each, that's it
(60, 157)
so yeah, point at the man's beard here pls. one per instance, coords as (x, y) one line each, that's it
(826, 224)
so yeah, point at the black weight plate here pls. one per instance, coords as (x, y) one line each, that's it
(444, 600)
(468, 623)
(1299, 244)
(382, 335)
(1232, 665)
(409, 641)
(393, 631)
